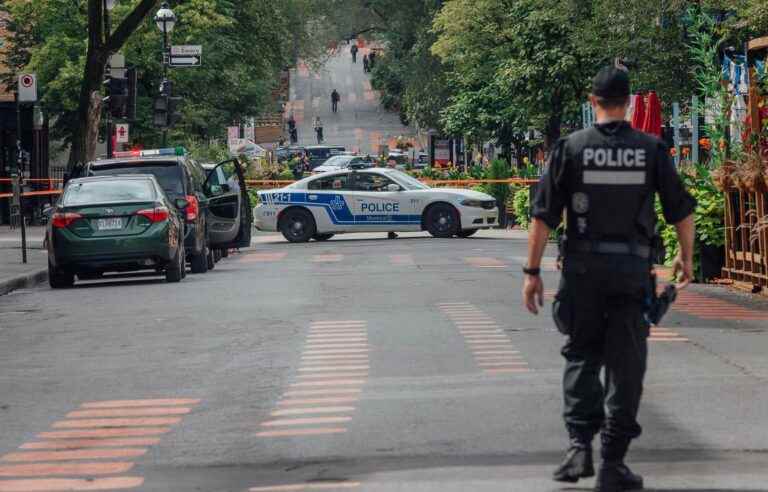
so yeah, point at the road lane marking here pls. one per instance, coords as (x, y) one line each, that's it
(83, 454)
(320, 346)
(502, 364)
(63, 469)
(496, 352)
(70, 484)
(311, 410)
(140, 403)
(328, 392)
(128, 412)
(313, 368)
(335, 351)
(506, 371)
(263, 257)
(333, 382)
(332, 359)
(331, 375)
(306, 486)
(124, 432)
(305, 421)
(317, 401)
(335, 339)
(302, 432)
(91, 443)
(327, 258)
(401, 260)
(111, 423)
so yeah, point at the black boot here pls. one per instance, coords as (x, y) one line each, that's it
(577, 463)
(617, 477)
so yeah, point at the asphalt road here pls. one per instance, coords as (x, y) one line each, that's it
(356, 364)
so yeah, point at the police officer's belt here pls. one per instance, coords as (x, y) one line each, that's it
(608, 248)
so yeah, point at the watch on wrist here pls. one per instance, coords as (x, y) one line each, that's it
(532, 271)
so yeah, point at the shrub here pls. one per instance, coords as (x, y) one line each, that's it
(521, 207)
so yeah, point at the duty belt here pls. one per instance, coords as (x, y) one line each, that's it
(608, 248)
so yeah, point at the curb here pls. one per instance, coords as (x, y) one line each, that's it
(23, 281)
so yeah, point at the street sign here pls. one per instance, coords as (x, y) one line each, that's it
(122, 133)
(186, 56)
(187, 50)
(28, 88)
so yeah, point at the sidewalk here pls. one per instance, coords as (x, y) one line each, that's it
(13, 273)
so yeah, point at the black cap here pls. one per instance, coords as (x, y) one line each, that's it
(611, 83)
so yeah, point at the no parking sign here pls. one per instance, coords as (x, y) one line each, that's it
(28, 87)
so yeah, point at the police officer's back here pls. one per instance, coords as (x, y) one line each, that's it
(605, 178)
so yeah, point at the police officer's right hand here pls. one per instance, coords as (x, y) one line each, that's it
(685, 268)
(533, 293)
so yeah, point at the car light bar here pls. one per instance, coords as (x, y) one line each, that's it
(177, 151)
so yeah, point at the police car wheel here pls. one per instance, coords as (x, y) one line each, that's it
(322, 237)
(298, 226)
(442, 221)
(466, 233)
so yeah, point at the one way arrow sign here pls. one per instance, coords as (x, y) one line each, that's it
(186, 61)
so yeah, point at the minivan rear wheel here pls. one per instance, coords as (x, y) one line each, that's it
(199, 261)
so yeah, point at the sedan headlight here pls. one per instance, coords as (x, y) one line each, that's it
(487, 204)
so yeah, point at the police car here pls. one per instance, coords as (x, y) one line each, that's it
(371, 200)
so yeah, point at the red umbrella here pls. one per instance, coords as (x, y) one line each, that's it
(652, 123)
(638, 116)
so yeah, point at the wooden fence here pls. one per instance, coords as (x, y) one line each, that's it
(746, 237)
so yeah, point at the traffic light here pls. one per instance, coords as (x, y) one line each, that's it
(117, 96)
(160, 116)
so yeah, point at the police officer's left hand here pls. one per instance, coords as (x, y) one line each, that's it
(533, 293)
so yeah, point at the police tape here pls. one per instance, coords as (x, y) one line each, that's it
(32, 193)
(259, 183)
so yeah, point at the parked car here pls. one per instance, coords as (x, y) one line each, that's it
(115, 224)
(339, 162)
(212, 218)
(318, 154)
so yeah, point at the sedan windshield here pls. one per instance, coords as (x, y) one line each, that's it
(168, 174)
(109, 191)
(408, 181)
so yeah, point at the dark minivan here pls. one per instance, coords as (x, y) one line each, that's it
(211, 210)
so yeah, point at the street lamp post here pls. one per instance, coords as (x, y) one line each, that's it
(165, 20)
(108, 6)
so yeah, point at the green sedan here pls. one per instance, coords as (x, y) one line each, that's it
(114, 224)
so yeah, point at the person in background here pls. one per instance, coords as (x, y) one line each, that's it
(335, 98)
(366, 64)
(318, 126)
(353, 50)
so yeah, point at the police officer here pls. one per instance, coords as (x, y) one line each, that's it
(606, 178)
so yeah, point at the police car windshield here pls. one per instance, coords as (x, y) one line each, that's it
(407, 180)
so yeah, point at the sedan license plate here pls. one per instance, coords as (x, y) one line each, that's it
(109, 224)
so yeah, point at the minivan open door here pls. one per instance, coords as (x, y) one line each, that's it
(230, 217)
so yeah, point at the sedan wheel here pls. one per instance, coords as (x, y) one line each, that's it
(442, 221)
(59, 279)
(322, 237)
(298, 226)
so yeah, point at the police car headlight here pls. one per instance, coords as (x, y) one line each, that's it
(472, 203)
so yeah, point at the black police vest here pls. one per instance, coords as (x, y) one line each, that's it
(611, 184)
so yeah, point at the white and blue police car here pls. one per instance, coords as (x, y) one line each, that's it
(371, 200)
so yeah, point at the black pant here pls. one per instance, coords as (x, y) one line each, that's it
(334, 106)
(354, 57)
(600, 304)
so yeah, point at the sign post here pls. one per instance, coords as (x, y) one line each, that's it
(25, 93)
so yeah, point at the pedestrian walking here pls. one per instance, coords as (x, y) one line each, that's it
(354, 50)
(366, 64)
(318, 127)
(606, 177)
(335, 98)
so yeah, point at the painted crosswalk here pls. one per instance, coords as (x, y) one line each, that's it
(491, 347)
(485, 262)
(321, 400)
(93, 447)
(707, 307)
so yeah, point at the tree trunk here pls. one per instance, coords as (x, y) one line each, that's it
(85, 134)
(552, 130)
